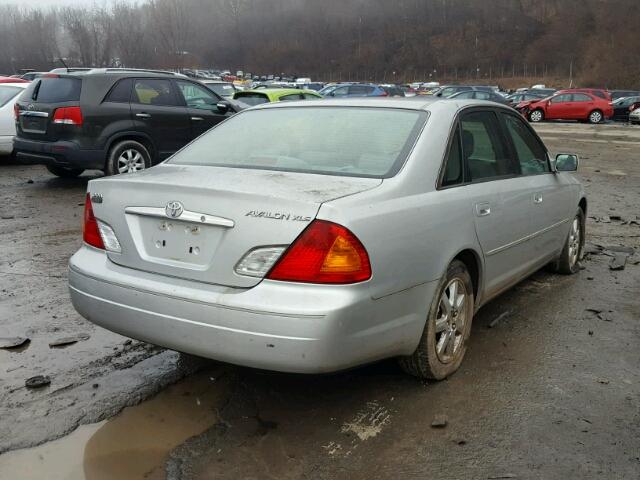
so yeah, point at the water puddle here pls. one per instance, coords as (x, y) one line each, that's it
(131, 446)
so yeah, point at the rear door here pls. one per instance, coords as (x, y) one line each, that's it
(499, 198)
(202, 107)
(157, 111)
(360, 90)
(582, 104)
(37, 106)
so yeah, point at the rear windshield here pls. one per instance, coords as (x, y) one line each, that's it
(252, 98)
(347, 141)
(54, 90)
(7, 93)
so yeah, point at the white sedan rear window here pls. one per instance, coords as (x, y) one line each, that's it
(351, 141)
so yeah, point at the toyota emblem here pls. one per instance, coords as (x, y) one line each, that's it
(174, 209)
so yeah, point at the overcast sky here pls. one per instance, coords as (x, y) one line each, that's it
(49, 3)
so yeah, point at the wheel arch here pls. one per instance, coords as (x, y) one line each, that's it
(473, 261)
(583, 205)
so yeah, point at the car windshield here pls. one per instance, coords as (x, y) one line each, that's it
(7, 93)
(222, 89)
(348, 141)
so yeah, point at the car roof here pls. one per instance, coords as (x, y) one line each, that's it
(406, 103)
(278, 92)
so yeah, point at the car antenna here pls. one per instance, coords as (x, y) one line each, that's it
(65, 65)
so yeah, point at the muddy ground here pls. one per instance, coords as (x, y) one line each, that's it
(552, 390)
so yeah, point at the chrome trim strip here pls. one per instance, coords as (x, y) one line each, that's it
(29, 113)
(186, 216)
(524, 239)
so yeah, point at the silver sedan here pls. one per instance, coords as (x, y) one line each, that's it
(314, 237)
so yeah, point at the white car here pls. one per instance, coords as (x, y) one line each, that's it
(8, 95)
(634, 117)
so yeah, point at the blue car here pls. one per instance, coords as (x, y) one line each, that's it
(343, 90)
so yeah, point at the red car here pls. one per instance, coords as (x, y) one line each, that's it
(567, 106)
(12, 80)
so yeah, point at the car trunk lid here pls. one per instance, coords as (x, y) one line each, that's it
(224, 214)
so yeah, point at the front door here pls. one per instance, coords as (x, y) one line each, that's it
(201, 106)
(559, 107)
(499, 198)
(157, 111)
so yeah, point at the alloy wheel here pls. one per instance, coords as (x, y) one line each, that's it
(536, 116)
(574, 242)
(130, 161)
(595, 117)
(450, 320)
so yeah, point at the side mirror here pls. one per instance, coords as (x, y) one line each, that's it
(223, 107)
(566, 162)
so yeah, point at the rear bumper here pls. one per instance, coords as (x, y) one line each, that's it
(6, 144)
(61, 154)
(275, 325)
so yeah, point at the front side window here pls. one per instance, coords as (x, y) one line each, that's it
(465, 95)
(360, 90)
(347, 141)
(561, 98)
(196, 96)
(483, 96)
(531, 153)
(340, 92)
(147, 91)
(600, 94)
(483, 149)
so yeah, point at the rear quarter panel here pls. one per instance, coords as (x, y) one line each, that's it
(411, 230)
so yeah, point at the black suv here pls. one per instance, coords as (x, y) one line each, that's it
(115, 122)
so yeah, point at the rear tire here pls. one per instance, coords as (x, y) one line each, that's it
(569, 261)
(65, 172)
(444, 340)
(127, 156)
(536, 116)
(596, 117)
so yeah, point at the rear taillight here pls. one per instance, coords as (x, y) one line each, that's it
(16, 111)
(384, 94)
(324, 253)
(90, 230)
(68, 116)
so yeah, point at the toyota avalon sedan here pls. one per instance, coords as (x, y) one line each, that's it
(317, 236)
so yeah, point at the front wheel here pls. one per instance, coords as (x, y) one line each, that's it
(536, 116)
(444, 340)
(568, 263)
(596, 116)
(65, 172)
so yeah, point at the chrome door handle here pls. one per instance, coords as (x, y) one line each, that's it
(537, 198)
(197, 119)
(143, 115)
(483, 209)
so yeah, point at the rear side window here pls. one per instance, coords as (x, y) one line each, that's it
(453, 169)
(154, 92)
(581, 97)
(600, 94)
(57, 89)
(483, 148)
(531, 153)
(121, 92)
(295, 96)
(252, 98)
(7, 93)
(360, 90)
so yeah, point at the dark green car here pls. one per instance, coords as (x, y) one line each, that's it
(267, 95)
